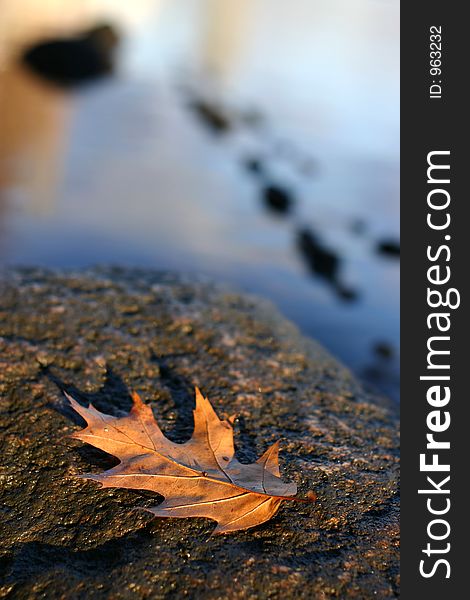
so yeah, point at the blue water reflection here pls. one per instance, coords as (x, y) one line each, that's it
(127, 171)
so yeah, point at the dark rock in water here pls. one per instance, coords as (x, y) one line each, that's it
(277, 199)
(384, 350)
(211, 115)
(101, 333)
(254, 166)
(389, 248)
(74, 61)
(320, 260)
(383, 373)
(323, 263)
(346, 293)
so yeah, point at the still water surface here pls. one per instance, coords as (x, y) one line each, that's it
(124, 171)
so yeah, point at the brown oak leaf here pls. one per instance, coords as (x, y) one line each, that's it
(200, 478)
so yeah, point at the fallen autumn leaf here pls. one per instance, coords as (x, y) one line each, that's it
(200, 478)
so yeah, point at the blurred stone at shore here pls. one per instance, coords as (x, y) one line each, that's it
(277, 198)
(389, 248)
(76, 60)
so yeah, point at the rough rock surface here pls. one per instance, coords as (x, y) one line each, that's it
(98, 334)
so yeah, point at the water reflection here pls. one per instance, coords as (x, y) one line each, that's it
(257, 145)
(33, 121)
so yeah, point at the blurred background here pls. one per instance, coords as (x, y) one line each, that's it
(253, 141)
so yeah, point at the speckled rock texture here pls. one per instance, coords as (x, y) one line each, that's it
(98, 334)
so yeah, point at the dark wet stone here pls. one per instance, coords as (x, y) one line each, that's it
(389, 248)
(277, 198)
(384, 350)
(101, 333)
(346, 293)
(70, 62)
(254, 165)
(324, 263)
(321, 260)
(210, 115)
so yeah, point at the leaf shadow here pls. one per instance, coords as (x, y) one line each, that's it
(112, 398)
(31, 559)
(246, 449)
(181, 392)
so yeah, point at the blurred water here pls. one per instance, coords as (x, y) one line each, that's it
(123, 171)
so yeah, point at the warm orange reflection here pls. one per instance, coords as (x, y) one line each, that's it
(33, 118)
(225, 27)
